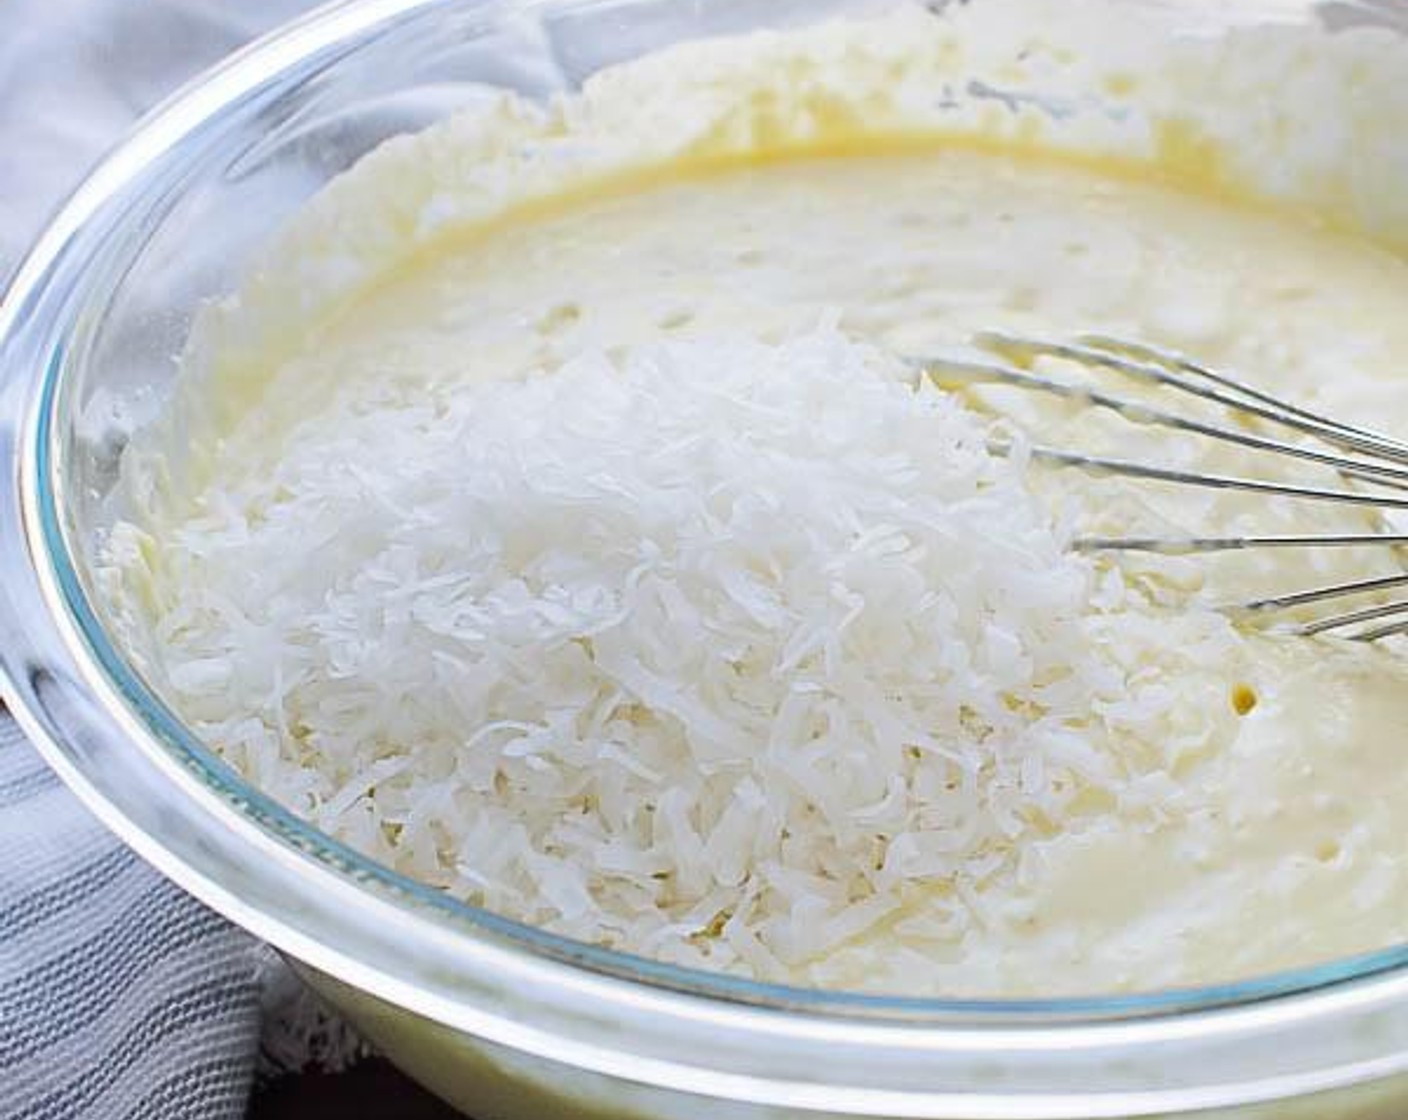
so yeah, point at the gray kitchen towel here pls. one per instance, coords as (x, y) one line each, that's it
(120, 997)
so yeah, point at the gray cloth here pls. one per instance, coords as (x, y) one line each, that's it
(120, 997)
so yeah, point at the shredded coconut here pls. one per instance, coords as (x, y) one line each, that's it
(718, 651)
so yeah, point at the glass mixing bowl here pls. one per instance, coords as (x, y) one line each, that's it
(502, 1019)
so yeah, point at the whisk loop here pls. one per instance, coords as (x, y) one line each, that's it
(1375, 465)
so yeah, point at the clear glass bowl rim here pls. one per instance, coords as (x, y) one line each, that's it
(47, 597)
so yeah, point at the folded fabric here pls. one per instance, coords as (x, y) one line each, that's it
(119, 995)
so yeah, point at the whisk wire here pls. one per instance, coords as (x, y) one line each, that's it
(1096, 464)
(1228, 392)
(948, 373)
(1180, 362)
(1354, 618)
(1354, 453)
(1321, 594)
(1181, 546)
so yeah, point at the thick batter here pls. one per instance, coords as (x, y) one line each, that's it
(1261, 827)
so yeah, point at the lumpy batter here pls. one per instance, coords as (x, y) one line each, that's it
(1269, 825)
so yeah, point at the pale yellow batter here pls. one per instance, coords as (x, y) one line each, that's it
(1276, 837)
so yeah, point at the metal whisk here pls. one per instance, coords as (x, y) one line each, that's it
(1376, 464)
